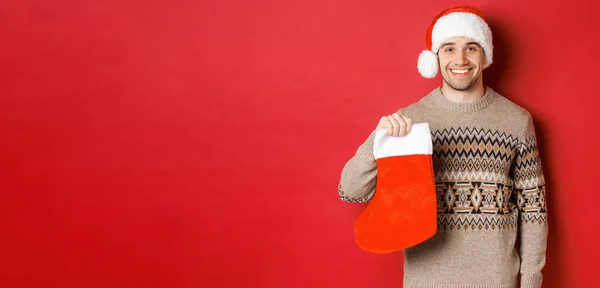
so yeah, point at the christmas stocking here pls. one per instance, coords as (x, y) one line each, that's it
(403, 210)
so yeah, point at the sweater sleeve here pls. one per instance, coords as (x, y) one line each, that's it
(359, 175)
(530, 192)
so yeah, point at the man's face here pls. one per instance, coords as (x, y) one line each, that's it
(461, 63)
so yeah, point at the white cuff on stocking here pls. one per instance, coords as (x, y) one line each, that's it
(418, 141)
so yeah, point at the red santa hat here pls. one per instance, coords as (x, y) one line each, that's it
(461, 21)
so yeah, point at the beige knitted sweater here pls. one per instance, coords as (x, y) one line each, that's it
(490, 195)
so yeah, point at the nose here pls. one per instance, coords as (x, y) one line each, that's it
(461, 58)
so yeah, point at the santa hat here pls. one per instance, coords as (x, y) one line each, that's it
(461, 21)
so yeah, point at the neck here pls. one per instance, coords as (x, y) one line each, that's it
(471, 95)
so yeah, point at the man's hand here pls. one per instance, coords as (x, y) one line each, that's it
(396, 125)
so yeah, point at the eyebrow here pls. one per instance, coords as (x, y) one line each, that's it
(447, 44)
(468, 43)
(473, 43)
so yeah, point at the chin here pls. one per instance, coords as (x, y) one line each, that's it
(461, 85)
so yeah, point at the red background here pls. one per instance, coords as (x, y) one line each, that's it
(200, 143)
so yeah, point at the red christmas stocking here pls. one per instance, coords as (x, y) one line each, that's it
(403, 210)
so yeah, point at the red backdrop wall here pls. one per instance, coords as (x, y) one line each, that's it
(200, 143)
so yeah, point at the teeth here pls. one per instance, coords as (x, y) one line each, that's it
(459, 71)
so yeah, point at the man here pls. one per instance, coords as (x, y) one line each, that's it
(489, 182)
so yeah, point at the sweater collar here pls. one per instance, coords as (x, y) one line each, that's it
(441, 101)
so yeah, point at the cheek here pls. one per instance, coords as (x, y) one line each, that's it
(480, 60)
(443, 62)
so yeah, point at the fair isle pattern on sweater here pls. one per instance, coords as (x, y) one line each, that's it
(472, 186)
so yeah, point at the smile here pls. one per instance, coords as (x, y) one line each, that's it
(461, 71)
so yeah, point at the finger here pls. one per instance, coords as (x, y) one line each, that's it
(401, 123)
(395, 126)
(384, 123)
(409, 124)
(381, 123)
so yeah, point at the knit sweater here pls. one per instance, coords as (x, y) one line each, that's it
(491, 201)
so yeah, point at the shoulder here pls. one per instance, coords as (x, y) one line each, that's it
(510, 109)
(519, 117)
(416, 107)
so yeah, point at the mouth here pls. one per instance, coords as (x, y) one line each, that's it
(460, 73)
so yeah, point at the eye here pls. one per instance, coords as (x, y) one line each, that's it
(448, 49)
(472, 48)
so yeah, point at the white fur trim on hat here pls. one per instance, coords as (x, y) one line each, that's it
(428, 64)
(462, 24)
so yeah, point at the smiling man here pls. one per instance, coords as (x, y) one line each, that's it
(491, 202)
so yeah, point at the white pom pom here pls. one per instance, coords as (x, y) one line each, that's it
(428, 64)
